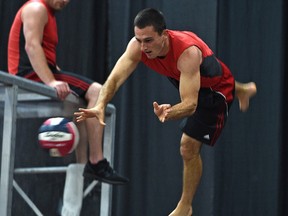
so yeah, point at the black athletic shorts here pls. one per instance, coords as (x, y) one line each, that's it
(209, 118)
(77, 83)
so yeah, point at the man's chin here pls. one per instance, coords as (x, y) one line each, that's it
(60, 7)
(150, 56)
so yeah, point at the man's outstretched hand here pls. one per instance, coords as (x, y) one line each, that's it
(161, 111)
(83, 114)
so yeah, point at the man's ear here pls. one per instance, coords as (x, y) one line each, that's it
(165, 33)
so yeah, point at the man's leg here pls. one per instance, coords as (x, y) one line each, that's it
(244, 91)
(94, 129)
(90, 132)
(97, 167)
(82, 148)
(192, 172)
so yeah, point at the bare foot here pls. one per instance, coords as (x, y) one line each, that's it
(244, 92)
(181, 212)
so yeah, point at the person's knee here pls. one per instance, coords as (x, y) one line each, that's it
(189, 147)
(95, 87)
(93, 91)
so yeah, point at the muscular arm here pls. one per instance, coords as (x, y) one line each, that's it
(34, 17)
(124, 67)
(189, 65)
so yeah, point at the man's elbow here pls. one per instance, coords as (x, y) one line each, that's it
(192, 108)
(30, 48)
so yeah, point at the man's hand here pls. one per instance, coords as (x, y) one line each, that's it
(61, 87)
(83, 114)
(161, 111)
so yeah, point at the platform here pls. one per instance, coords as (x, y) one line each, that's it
(22, 98)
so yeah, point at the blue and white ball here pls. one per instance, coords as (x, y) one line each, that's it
(59, 135)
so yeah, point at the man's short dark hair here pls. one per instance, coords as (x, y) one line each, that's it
(150, 17)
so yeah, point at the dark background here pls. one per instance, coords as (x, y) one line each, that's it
(245, 174)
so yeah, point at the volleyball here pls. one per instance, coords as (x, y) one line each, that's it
(59, 136)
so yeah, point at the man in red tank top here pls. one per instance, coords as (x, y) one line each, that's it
(205, 84)
(32, 54)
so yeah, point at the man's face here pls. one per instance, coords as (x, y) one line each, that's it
(57, 4)
(152, 44)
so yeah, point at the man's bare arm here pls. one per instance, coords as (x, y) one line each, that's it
(189, 65)
(124, 67)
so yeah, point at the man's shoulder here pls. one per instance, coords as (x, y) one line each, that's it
(34, 6)
(133, 47)
(34, 9)
(180, 33)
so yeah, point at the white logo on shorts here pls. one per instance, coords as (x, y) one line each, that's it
(207, 137)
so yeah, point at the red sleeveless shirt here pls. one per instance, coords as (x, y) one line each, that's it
(18, 60)
(214, 73)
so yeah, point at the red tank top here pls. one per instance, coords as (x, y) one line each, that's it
(214, 73)
(18, 60)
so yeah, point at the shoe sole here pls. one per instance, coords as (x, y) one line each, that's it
(86, 175)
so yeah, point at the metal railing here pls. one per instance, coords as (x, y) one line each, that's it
(23, 98)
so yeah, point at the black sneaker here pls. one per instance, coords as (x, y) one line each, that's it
(103, 172)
